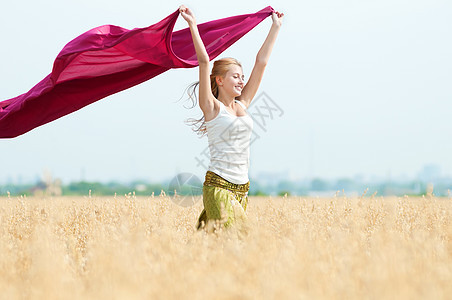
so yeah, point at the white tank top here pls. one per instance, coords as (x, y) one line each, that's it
(229, 144)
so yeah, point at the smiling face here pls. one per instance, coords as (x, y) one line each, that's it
(233, 81)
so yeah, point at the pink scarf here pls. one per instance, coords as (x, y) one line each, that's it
(109, 59)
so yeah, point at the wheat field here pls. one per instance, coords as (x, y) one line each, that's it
(293, 248)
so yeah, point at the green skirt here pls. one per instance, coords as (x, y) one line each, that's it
(224, 202)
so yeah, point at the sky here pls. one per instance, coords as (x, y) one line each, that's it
(362, 88)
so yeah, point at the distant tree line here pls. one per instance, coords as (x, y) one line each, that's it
(316, 186)
(348, 186)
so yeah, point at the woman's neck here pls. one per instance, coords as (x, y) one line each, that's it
(227, 100)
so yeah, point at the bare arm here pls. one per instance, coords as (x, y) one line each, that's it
(251, 87)
(206, 99)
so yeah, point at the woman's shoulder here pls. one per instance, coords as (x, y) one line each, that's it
(243, 105)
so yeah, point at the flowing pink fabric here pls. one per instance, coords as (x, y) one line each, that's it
(109, 59)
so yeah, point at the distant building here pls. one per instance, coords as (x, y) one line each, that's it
(430, 173)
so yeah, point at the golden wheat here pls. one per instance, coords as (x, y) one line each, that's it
(294, 248)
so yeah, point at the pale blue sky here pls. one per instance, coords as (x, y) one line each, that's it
(365, 87)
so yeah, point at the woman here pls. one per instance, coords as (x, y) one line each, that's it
(223, 99)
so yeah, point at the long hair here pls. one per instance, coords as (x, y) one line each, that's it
(220, 68)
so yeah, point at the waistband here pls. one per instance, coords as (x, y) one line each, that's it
(215, 180)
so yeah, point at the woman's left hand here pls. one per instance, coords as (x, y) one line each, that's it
(187, 14)
(277, 18)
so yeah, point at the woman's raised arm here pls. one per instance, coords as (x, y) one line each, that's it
(251, 87)
(206, 98)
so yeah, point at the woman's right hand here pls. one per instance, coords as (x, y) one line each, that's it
(187, 14)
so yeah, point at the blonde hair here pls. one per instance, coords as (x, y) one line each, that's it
(219, 69)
